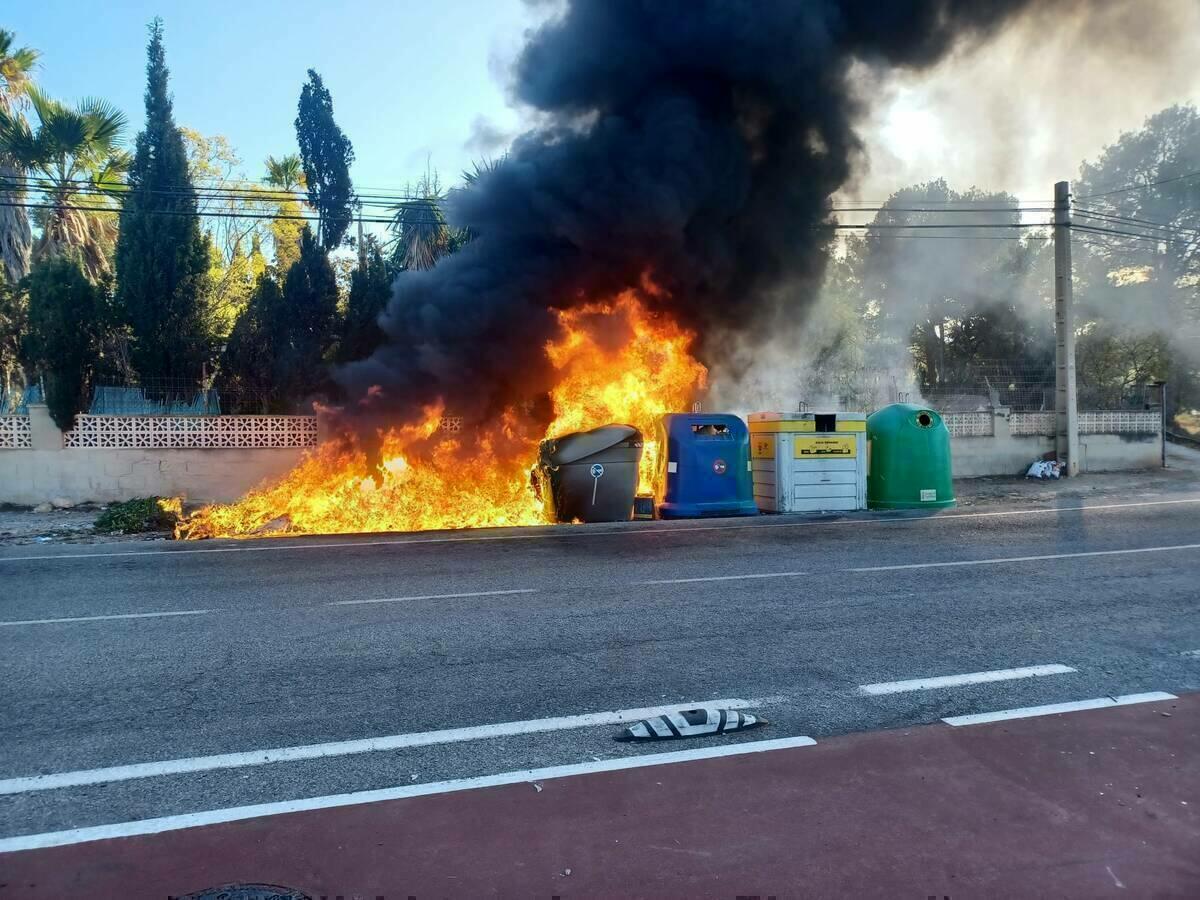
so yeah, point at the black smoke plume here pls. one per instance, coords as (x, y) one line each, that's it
(693, 142)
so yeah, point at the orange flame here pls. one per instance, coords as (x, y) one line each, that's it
(616, 362)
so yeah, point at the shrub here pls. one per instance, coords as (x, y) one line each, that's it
(141, 515)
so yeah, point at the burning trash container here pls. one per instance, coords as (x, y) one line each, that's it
(590, 476)
(705, 466)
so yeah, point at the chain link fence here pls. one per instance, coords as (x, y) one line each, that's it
(1031, 388)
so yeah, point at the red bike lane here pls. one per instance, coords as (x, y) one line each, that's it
(1087, 804)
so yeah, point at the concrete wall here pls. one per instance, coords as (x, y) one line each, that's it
(30, 477)
(49, 471)
(1005, 453)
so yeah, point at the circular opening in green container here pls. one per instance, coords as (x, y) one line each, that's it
(924, 419)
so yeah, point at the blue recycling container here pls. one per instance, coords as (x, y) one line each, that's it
(705, 466)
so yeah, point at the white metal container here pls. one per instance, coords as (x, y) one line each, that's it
(804, 462)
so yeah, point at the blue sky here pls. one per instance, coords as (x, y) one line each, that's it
(408, 79)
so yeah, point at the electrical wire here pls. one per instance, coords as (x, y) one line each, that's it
(86, 186)
(1135, 222)
(1095, 229)
(216, 215)
(1139, 187)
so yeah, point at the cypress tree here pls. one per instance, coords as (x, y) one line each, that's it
(162, 256)
(326, 154)
(370, 289)
(67, 315)
(248, 366)
(304, 326)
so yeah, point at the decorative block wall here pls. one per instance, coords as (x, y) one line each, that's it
(195, 432)
(15, 432)
(969, 424)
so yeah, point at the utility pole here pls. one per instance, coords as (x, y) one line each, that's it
(1066, 416)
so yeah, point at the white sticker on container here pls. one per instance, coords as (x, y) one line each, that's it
(928, 495)
(672, 467)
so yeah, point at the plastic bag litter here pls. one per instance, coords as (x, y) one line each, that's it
(1044, 469)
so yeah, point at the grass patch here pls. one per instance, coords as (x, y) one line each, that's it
(141, 515)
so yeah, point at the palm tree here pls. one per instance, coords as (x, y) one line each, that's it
(285, 173)
(78, 168)
(16, 238)
(420, 234)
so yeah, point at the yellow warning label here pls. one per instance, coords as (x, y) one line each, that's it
(806, 447)
(762, 447)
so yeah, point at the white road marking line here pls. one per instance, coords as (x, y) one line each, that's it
(149, 615)
(239, 813)
(348, 748)
(583, 531)
(944, 681)
(434, 597)
(1051, 709)
(1013, 559)
(722, 578)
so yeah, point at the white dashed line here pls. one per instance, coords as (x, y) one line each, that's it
(240, 813)
(148, 615)
(435, 597)
(1051, 709)
(348, 748)
(722, 578)
(945, 681)
(1014, 559)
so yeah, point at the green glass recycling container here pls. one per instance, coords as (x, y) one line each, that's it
(908, 459)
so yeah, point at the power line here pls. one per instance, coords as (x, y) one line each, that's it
(1131, 220)
(206, 214)
(115, 188)
(971, 227)
(1140, 187)
(856, 201)
(1096, 229)
(890, 209)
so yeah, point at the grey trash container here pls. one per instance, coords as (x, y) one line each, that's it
(590, 476)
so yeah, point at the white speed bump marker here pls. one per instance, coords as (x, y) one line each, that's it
(690, 723)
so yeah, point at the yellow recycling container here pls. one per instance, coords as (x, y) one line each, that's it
(806, 462)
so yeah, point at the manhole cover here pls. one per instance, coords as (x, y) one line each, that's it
(246, 892)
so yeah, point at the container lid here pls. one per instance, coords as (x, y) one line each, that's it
(577, 445)
(841, 415)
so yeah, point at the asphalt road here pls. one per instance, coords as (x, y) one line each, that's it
(269, 647)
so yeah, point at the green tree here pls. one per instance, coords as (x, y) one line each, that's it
(326, 154)
(370, 290)
(304, 328)
(231, 209)
(68, 317)
(248, 366)
(16, 238)
(77, 165)
(14, 324)
(162, 256)
(1139, 299)
(955, 296)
